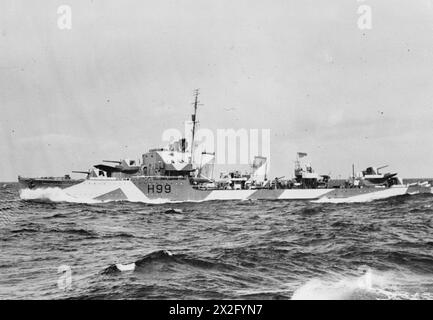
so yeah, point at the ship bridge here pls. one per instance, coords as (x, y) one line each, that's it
(164, 162)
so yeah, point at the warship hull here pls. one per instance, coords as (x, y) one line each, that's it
(159, 190)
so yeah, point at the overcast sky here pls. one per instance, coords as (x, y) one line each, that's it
(126, 71)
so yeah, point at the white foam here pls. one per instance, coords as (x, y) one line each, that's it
(168, 252)
(370, 285)
(126, 267)
(51, 194)
(333, 289)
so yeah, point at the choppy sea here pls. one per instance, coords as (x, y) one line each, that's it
(54, 249)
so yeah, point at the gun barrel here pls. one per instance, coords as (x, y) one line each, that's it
(382, 167)
(85, 172)
(112, 161)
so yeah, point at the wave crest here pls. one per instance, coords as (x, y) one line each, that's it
(163, 258)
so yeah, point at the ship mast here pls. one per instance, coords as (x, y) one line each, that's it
(194, 121)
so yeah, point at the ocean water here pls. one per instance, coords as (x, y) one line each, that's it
(52, 248)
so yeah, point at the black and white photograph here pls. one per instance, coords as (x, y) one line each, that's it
(215, 150)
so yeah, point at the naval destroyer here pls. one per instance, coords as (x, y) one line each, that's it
(171, 174)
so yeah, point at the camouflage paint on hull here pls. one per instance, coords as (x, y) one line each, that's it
(155, 190)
